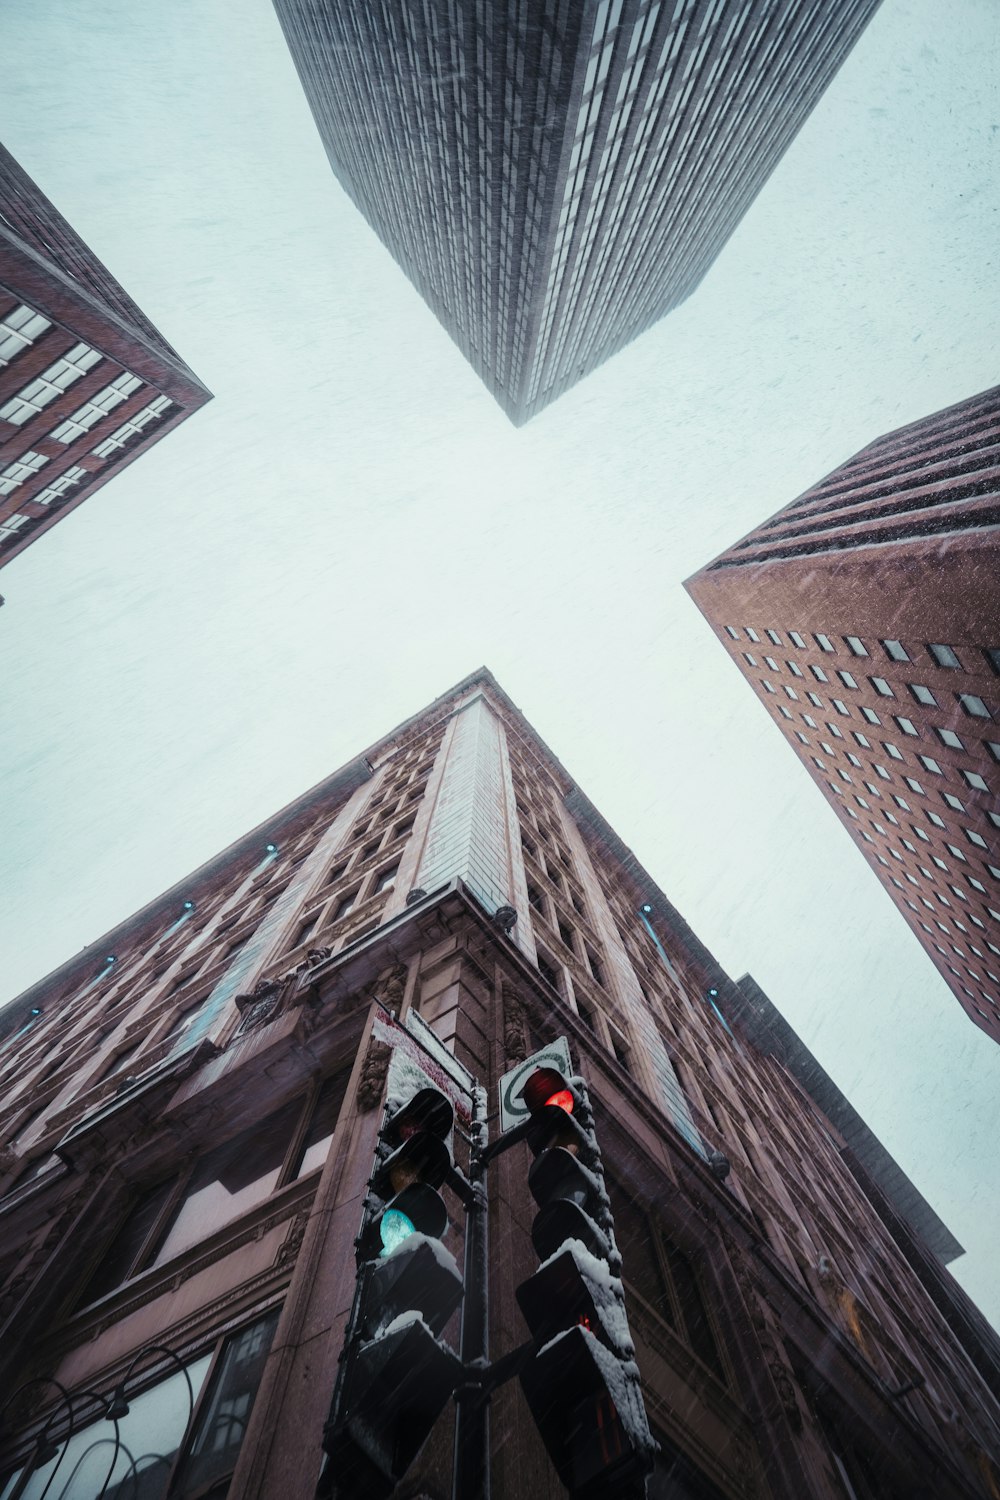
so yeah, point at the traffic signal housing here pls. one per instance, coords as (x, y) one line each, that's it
(582, 1384)
(397, 1373)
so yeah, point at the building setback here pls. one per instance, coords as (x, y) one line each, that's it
(86, 381)
(555, 175)
(866, 616)
(190, 1109)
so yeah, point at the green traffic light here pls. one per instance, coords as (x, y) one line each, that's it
(394, 1227)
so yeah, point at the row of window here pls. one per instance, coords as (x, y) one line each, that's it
(943, 655)
(970, 703)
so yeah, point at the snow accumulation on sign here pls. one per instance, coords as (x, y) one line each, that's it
(512, 1106)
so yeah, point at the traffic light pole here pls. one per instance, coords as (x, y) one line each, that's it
(472, 1411)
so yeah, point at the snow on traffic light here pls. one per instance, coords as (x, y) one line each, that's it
(397, 1372)
(582, 1385)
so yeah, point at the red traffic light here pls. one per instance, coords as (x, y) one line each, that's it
(562, 1099)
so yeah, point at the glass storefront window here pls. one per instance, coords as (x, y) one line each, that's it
(162, 1423)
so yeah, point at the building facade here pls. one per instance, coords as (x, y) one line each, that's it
(190, 1111)
(866, 617)
(86, 381)
(555, 175)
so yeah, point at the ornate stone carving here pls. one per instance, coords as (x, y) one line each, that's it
(260, 1006)
(390, 987)
(778, 1370)
(515, 1018)
(292, 1243)
(373, 1074)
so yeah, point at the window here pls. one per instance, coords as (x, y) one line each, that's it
(344, 905)
(731, 632)
(954, 850)
(847, 679)
(44, 389)
(322, 1123)
(751, 634)
(158, 1428)
(856, 645)
(930, 764)
(386, 880)
(808, 719)
(122, 1257)
(124, 434)
(992, 654)
(895, 650)
(906, 725)
(975, 838)
(620, 1048)
(976, 781)
(861, 739)
(881, 687)
(337, 871)
(93, 411)
(922, 694)
(790, 691)
(953, 802)
(797, 640)
(775, 638)
(815, 700)
(25, 467)
(932, 817)
(870, 714)
(18, 331)
(853, 760)
(841, 707)
(835, 732)
(768, 688)
(229, 1181)
(950, 738)
(823, 642)
(993, 746)
(944, 656)
(536, 899)
(595, 967)
(819, 674)
(973, 706)
(306, 929)
(369, 851)
(794, 668)
(893, 751)
(402, 829)
(769, 661)
(586, 1013)
(751, 661)
(783, 711)
(565, 933)
(548, 970)
(914, 786)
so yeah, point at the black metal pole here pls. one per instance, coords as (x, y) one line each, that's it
(472, 1417)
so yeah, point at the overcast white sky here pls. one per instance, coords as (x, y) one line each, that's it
(353, 525)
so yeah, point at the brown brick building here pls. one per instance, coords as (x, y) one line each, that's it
(86, 381)
(190, 1110)
(866, 616)
(556, 175)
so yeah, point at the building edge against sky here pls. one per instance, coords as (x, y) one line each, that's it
(866, 617)
(555, 177)
(796, 1328)
(86, 382)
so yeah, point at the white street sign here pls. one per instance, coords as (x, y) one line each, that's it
(512, 1106)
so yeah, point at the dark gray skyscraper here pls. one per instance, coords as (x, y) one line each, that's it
(555, 175)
